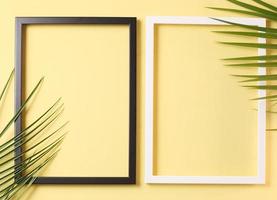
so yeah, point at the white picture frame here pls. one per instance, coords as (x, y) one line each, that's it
(149, 177)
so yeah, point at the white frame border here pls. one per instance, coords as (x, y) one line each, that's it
(149, 177)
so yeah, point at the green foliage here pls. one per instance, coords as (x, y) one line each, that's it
(262, 9)
(39, 147)
(269, 12)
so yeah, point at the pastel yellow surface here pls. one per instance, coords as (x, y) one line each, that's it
(94, 85)
(166, 161)
(205, 123)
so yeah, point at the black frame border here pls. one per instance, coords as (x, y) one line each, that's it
(21, 22)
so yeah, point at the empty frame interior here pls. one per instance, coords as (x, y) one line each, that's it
(88, 66)
(204, 122)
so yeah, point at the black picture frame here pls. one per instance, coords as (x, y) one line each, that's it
(21, 22)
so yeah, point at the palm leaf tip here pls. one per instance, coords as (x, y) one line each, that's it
(20, 110)
(266, 97)
(7, 85)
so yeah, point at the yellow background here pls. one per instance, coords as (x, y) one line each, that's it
(95, 82)
(10, 9)
(202, 116)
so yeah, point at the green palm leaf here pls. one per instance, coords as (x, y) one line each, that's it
(267, 64)
(254, 8)
(257, 14)
(17, 177)
(252, 45)
(249, 34)
(265, 10)
(254, 78)
(6, 85)
(262, 87)
(261, 58)
(269, 97)
(267, 5)
(251, 27)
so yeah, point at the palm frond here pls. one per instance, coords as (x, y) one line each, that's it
(259, 8)
(41, 147)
